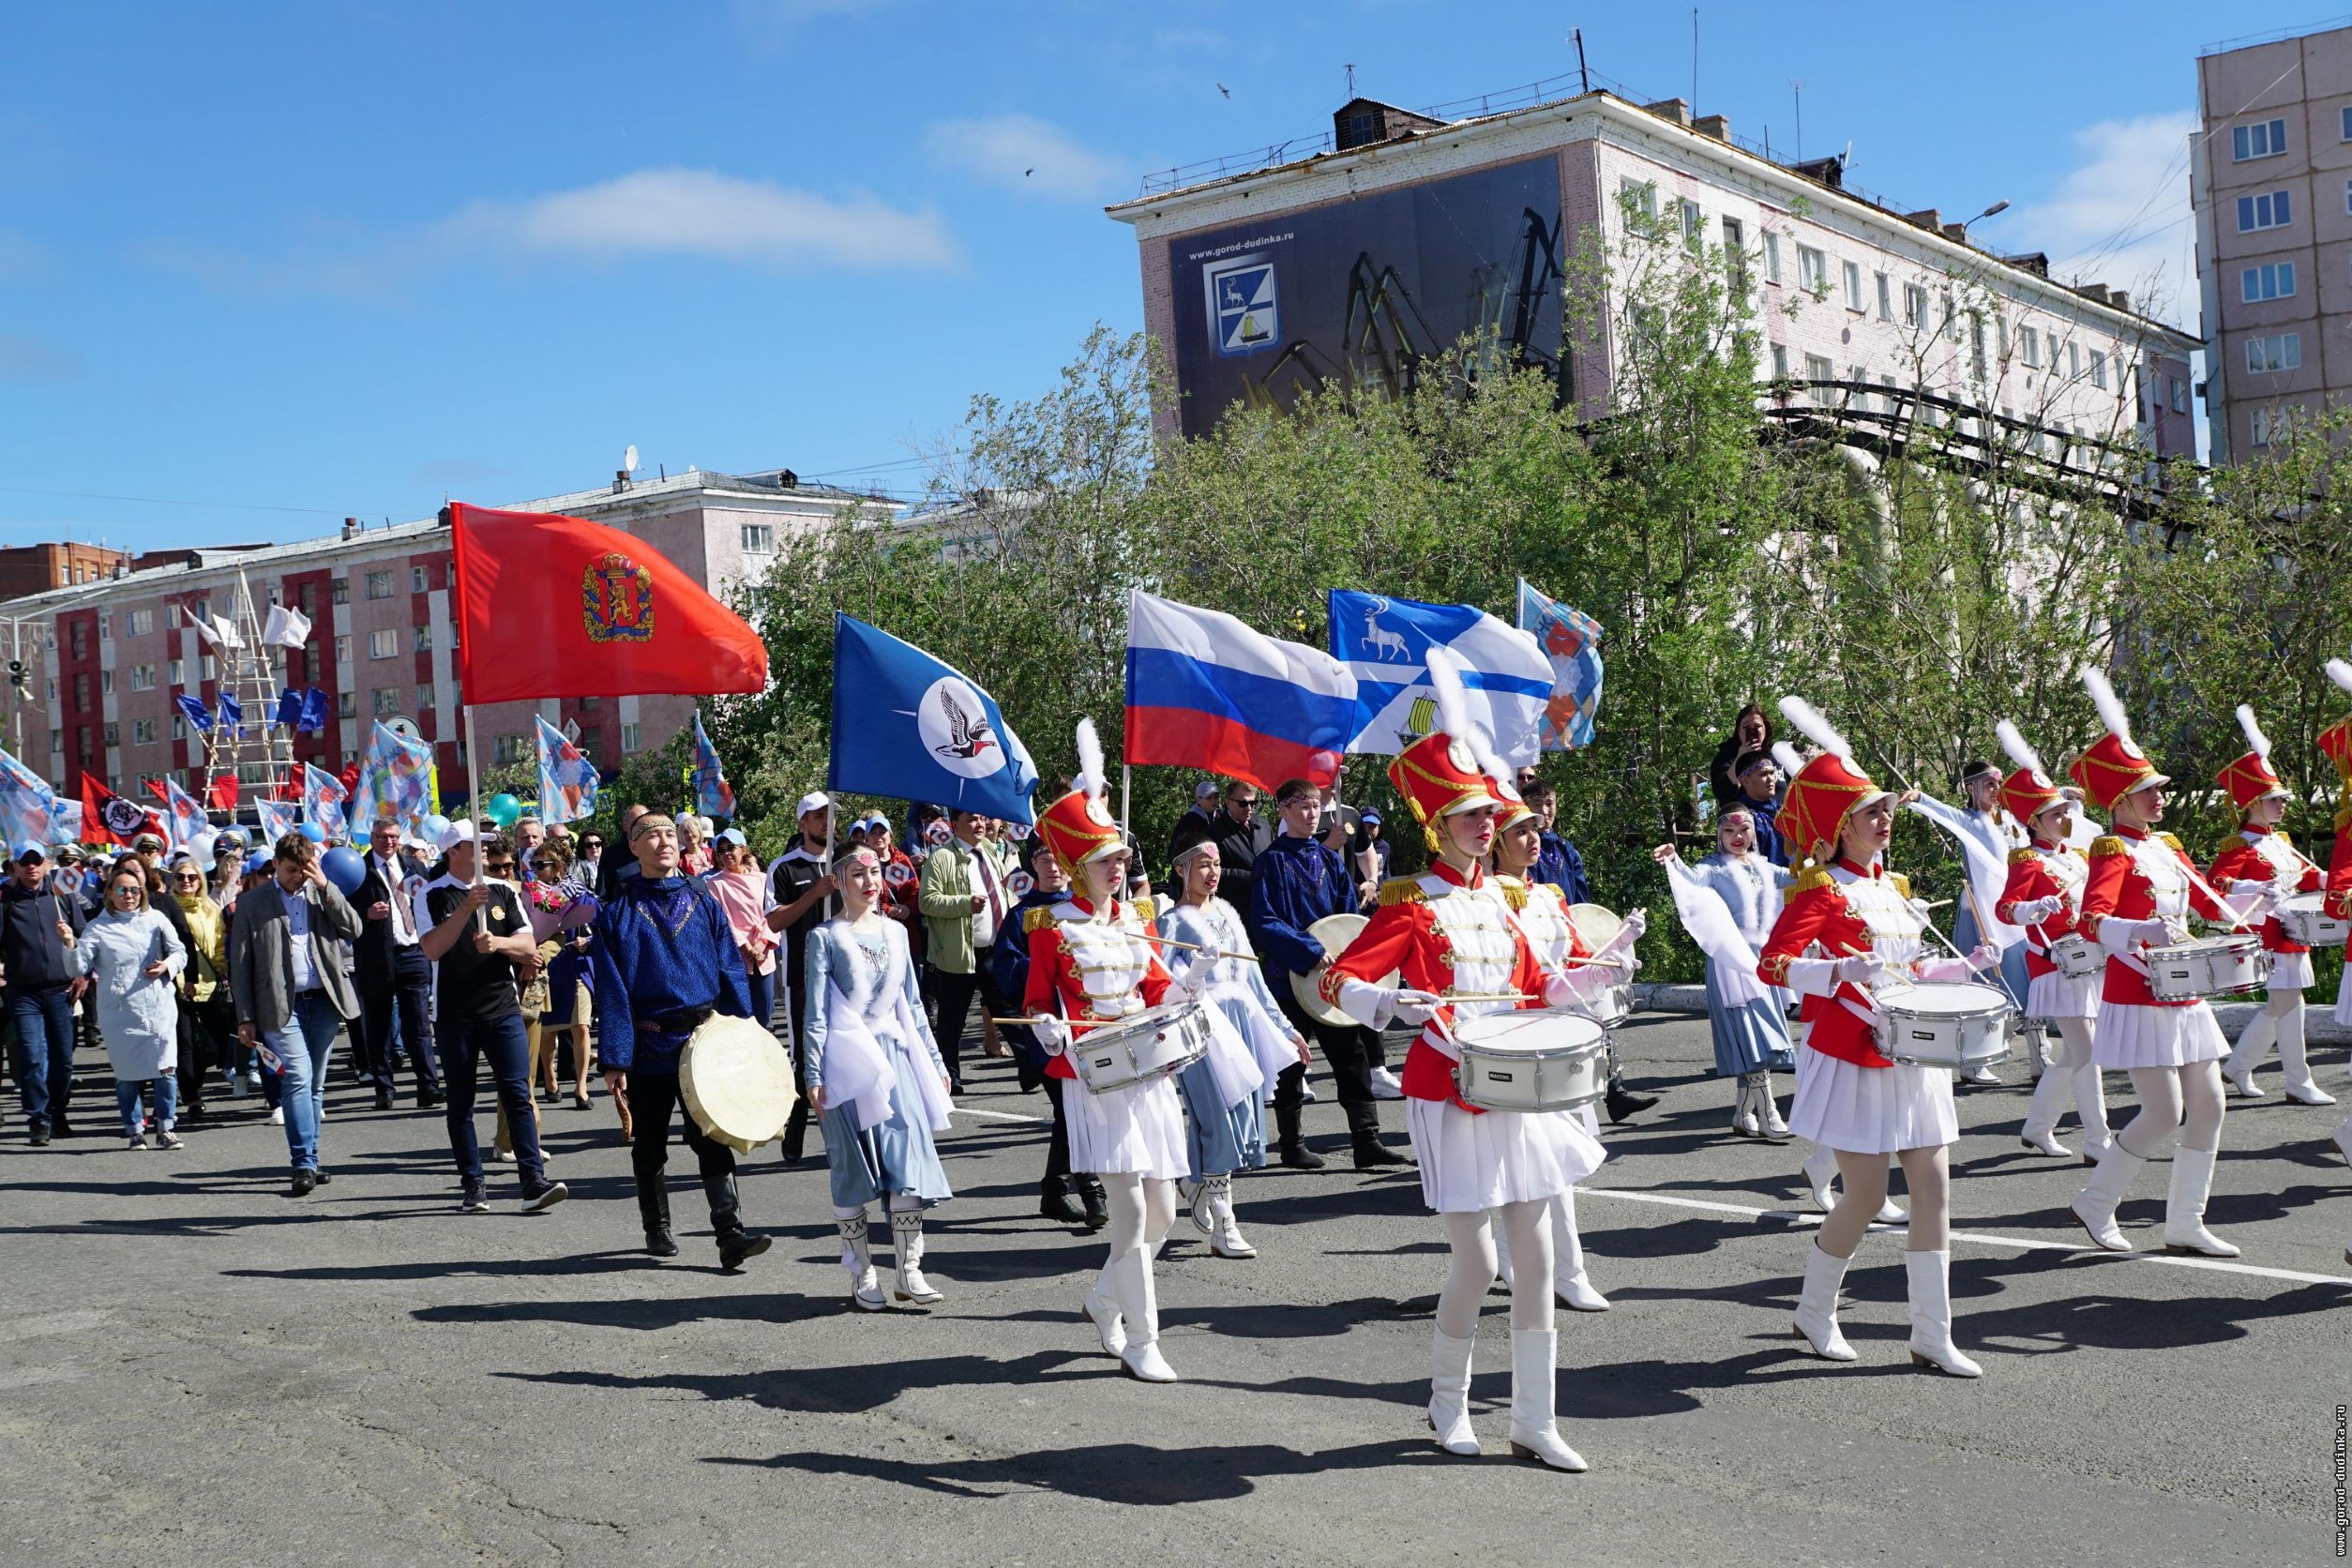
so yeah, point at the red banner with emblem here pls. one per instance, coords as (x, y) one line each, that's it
(551, 605)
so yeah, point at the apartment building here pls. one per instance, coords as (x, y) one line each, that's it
(1400, 231)
(2270, 178)
(105, 659)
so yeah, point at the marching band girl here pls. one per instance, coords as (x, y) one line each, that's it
(1449, 935)
(2335, 743)
(2044, 894)
(1225, 1092)
(1849, 922)
(2141, 889)
(1985, 841)
(1091, 960)
(1749, 1022)
(1541, 914)
(876, 1076)
(2257, 856)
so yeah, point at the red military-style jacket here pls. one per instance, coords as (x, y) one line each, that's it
(2134, 876)
(1844, 912)
(2265, 855)
(2042, 871)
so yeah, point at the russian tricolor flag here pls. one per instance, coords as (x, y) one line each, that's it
(1205, 691)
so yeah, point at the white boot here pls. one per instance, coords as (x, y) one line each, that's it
(1768, 1110)
(1534, 1432)
(2096, 1204)
(1569, 1283)
(1890, 1213)
(906, 1229)
(1130, 1276)
(1195, 1196)
(1503, 1253)
(1820, 1169)
(1449, 1392)
(1931, 1315)
(2253, 1046)
(1745, 1122)
(2344, 1138)
(1225, 1237)
(2091, 1105)
(857, 1256)
(1816, 1306)
(1101, 1307)
(2184, 1206)
(2295, 1055)
(2040, 1131)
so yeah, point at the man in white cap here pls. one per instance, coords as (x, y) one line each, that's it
(799, 889)
(395, 977)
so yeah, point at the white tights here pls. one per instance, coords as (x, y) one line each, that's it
(1471, 1269)
(1863, 1191)
(2188, 1097)
(1142, 1209)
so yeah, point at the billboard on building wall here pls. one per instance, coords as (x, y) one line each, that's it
(1362, 291)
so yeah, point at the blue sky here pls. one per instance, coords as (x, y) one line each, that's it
(262, 265)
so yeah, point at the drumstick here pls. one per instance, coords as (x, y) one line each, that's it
(1196, 947)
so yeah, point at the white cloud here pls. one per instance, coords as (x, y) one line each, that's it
(697, 212)
(2120, 214)
(1023, 153)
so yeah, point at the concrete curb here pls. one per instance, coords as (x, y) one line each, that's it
(2319, 1027)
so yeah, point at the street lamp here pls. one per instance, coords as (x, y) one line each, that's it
(1996, 209)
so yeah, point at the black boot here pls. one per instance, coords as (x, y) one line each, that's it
(1623, 1105)
(736, 1246)
(1098, 1206)
(1290, 1143)
(1053, 1202)
(652, 1207)
(1363, 1140)
(796, 1130)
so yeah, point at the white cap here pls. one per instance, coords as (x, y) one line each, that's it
(459, 832)
(815, 800)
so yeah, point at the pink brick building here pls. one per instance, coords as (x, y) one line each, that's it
(106, 659)
(1406, 230)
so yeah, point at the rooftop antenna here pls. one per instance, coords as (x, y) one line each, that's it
(1797, 93)
(1351, 78)
(1694, 59)
(1584, 76)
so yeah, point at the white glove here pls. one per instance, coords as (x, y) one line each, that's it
(1194, 982)
(1630, 932)
(1942, 972)
(1923, 909)
(1982, 956)
(2160, 933)
(1858, 971)
(1413, 1006)
(1053, 1036)
(2033, 911)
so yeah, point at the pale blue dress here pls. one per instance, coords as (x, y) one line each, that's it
(1221, 1138)
(1753, 1038)
(897, 1157)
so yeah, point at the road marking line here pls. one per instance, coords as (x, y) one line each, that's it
(998, 1115)
(2023, 1243)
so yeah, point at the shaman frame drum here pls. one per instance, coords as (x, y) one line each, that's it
(736, 1081)
(1141, 1047)
(1531, 1060)
(1335, 931)
(2304, 919)
(2078, 957)
(2209, 966)
(1943, 1025)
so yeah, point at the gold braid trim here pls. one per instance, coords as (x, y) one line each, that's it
(1402, 890)
(1037, 919)
(2107, 844)
(1513, 892)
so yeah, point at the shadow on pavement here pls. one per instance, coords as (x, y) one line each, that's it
(1124, 1474)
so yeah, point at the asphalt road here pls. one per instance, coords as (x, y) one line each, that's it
(193, 1363)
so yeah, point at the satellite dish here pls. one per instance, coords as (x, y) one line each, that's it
(405, 728)
(628, 459)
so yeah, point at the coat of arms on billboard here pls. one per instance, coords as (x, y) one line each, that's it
(616, 600)
(1243, 313)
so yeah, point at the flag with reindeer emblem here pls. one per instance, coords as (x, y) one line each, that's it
(1385, 643)
(907, 726)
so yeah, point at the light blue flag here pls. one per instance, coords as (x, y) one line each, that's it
(1571, 640)
(395, 781)
(568, 780)
(274, 820)
(322, 802)
(1385, 642)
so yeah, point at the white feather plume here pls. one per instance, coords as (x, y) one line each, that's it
(1786, 755)
(1817, 730)
(2256, 740)
(1092, 779)
(1453, 701)
(2014, 744)
(2110, 707)
(2340, 672)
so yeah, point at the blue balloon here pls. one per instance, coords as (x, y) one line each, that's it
(435, 825)
(257, 861)
(314, 833)
(346, 869)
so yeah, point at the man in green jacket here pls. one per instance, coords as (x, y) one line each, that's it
(964, 903)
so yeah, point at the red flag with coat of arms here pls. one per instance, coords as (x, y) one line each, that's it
(107, 817)
(551, 605)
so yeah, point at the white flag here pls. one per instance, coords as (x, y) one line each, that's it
(203, 629)
(224, 633)
(287, 628)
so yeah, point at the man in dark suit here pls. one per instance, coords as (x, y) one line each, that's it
(392, 969)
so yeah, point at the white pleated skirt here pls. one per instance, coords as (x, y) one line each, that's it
(2343, 997)
(2132, 1035)
(1872, 1110)
(1135, 1130)
(1472, 1163)
(2289, 972)
(2053, 996)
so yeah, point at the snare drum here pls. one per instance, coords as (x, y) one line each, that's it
(1142, 1047)
(2304, 920)
(2210, 966)
(1607, 1008)
(1943, 1025)
(2078, 957)
(1531, 1060)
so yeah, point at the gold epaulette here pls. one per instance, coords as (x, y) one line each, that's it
(2019, 857)
(2280, 834)
(1146, 908)
(1902, 885)
(1513, 892)
(1037, 919)
(1401, 890)
(1813, 876)
(2172, 841)
(2107, 844)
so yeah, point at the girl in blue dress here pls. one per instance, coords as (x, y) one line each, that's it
(876, 1077)
(1748, 1019)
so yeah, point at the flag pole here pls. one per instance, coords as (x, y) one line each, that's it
(1126, 778)
(473, 789)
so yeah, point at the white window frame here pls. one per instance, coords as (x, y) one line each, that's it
(1915, 307)
(417, 582)
(138, 623)
(2258, 427)
(757, 538)
(1852, 275)
(383, 643)
(384, 701)
(1771, 257)
(2274, 353)
(2099, 370)
(1780, 361)
(2257, 140)
(632, 738)
(2029, 347)
(1886, 297)
(2180, 395)
(2268, 209)
(1694, 220)
(142, 732)
(425, 698)
(2272, 280)
(1813, 271)
(380, 580)
(1643, 194)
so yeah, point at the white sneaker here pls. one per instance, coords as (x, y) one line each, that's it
(277, 1116)
(1385, 1086)
(1306, 1093)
